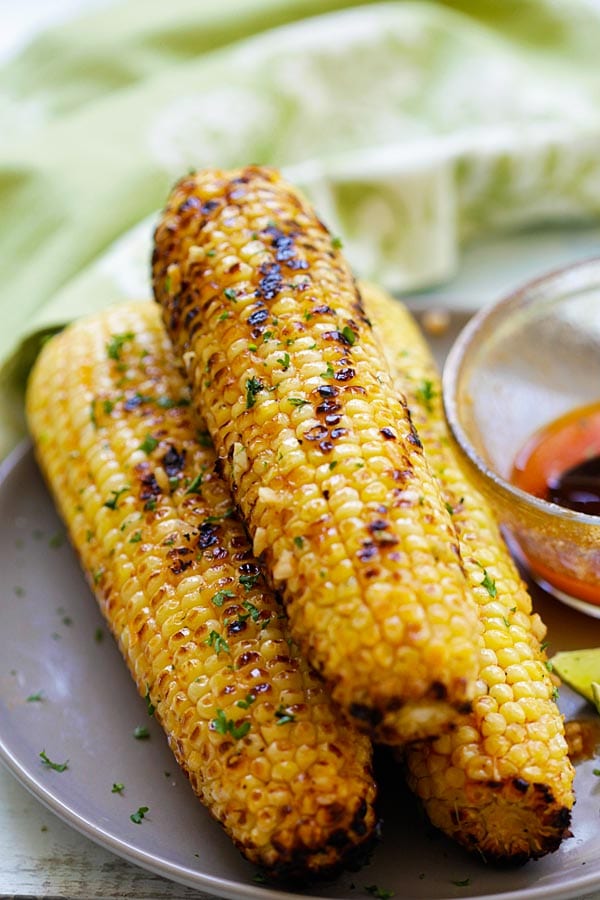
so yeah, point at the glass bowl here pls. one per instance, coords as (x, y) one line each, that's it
(516, 367)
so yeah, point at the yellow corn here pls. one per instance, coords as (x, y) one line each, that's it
(501, 782)
(173, 571)
(318, 449)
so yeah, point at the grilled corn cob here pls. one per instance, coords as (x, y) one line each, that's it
(173, 571)
(501, 782)
(319, 452)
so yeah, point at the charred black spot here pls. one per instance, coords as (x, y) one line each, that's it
(190, 203)
(365, 713)
(315, 434)
(327, 390)
(368, 551)
(336, 433)
(438, 690)
(249, 569)
(326, 494)
(401, 474)
(208, 536)
(150, 487)
(219, 466)
(332, 420)
(323, 310)
(258, 316)
(237, 626)
(414, 439)
(325, 446)
(344, 374)
(337, 336)
(271, 282)
(250, 656)
(180, 565)
(297, 264)
(328, 406)
(388, 434)
(173, 461)
(263, 688)
(209, 206)
(378, 525)
(133, 402)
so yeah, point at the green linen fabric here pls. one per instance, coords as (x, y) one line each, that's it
(413, 126)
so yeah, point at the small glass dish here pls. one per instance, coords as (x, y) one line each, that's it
(516, 367)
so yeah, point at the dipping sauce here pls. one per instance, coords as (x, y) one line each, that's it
(561, 463)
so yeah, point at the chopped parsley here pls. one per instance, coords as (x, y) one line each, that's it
(149, 704)
(376, 891)
(223, 316)
(332, 465)
(98, 635)
(284, 361)
(148, 444)
(426, 393)
(230, 293)
(555, 694)
(137, 817)
(329, 372)
(248, 701)
(219, 598)
(203, 438)
(115, 345)
(108, 407)
(113, 502)
(253, 611)
(57, 540)
(141, 733)
(57, 767)
(464, 883)
(135, 537)
(117, 788)
(283, 716)
(298, 401)
(336, 242)
(93, 418)
(449, 508)
(248, 581)
(596, 772)
(195, 484)
(349, 335)
(299, 541)
(35, 698)
(253, 387)
(223, 725)
(217, 641)
(489, 584)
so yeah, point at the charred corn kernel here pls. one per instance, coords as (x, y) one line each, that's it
(501, 782)
(337, 447)
(173, 571)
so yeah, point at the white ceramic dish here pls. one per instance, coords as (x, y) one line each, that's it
(48, 629)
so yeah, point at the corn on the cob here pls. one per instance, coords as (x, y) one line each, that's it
(501, 782)
(319, 452)
(173, 571)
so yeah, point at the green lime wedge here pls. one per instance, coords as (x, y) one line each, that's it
(580, 669)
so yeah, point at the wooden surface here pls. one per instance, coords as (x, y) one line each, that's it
(42, 857)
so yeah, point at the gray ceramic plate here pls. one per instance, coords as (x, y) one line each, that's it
(89, 709)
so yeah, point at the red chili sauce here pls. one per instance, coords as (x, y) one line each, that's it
(561, 463)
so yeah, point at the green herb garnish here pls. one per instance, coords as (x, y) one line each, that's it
(223, 725)
(57, 767)
(148, 444)
(113, 502)
(217, 641)
(115, 345)
(137, 817)
(253, 387)
(141, 733)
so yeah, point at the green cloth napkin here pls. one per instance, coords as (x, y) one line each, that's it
(413, 126)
